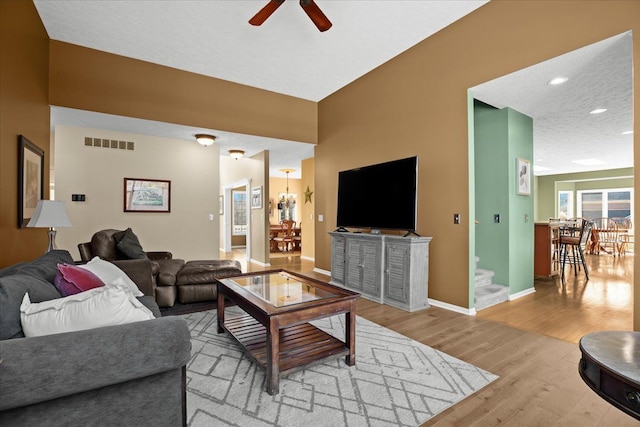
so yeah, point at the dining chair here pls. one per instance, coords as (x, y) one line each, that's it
(285, 237)
(572, 246)
(625, 234)
(605, 236)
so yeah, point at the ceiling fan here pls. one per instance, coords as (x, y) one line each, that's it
(309, 6)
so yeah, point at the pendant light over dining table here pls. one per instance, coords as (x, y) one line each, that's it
(287, 201)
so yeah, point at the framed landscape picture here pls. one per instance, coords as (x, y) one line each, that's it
(30, 179)
(523, 177)
(147, 195)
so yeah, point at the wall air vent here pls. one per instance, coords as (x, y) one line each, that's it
(109, 143)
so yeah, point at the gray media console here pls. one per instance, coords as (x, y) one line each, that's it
(388, 269)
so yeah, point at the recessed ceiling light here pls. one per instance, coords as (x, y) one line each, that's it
(627, 132)
(557, 81)
(589, 162)
(598, 111)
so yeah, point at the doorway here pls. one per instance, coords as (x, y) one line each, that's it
(573, 139)
(236, 219)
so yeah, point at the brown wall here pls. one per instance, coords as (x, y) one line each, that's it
(307, 216)
(92, 80)
(416, 104)
(24, 55)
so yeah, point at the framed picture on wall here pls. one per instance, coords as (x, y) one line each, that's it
(523, 177)
(30, 179)
(256, 198)
(147, 195)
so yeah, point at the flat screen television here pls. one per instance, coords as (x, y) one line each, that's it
(380, 196)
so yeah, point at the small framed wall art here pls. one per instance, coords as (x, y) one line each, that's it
(256, 198)
(523, 177)
(30, 179)
(147, 195)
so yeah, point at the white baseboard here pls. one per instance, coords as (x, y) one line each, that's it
(451, 307)
(260, 263)
(321, 271)
(521, 294)
(307, 258)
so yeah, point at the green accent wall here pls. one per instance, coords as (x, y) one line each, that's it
(501, 137)
(549, 185)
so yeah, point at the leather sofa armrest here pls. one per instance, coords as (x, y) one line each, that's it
(156, 255)
(140, 271)
(42, 368)
(85, 251)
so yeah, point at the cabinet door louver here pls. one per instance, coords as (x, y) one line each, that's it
(352, 265)
(397, 270)
(371, 268)
(337, 260)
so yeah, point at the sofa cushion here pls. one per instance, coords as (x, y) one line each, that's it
(103, 244)
(108, 272)
(168, 271)
(72, 280)
(207, 271)
(44, 267)
(128, 244)
(113, 304)
(151, 304)
(12, 291)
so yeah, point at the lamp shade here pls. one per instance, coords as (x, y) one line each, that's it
(49, 214)
(205, 140)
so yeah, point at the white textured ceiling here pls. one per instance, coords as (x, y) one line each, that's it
(600, 76)
(288, 55)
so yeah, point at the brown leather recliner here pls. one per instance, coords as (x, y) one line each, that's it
(104, 244)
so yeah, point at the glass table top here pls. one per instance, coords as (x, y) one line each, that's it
(280, 288)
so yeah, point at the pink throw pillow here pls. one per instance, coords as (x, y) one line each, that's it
(72, 280)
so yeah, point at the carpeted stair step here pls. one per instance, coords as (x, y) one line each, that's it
(489, 295)
(483, 278)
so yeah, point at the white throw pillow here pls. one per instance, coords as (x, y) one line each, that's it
(113, 304)
(108, 272)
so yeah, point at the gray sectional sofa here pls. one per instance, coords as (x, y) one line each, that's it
(130, 374)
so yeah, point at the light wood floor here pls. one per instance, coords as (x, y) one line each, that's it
(530, 343)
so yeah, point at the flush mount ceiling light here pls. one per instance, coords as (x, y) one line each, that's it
(236, 154)
(205, 140)
(627, 132)
(557, 81)
(598, 111)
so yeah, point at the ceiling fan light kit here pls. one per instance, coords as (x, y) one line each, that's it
(309, 6)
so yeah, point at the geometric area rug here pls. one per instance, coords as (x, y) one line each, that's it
(396, 381)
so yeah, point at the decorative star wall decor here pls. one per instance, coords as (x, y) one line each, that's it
(307, 195)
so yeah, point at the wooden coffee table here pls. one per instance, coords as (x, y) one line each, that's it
(274, 332)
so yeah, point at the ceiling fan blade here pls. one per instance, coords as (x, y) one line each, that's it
(265, 12)
(316, 15)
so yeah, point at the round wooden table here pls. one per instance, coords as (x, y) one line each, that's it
(610, 365)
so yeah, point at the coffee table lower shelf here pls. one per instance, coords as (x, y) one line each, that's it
(299, 345)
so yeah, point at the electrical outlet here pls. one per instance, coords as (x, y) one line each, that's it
(456, 218)
(496, 218)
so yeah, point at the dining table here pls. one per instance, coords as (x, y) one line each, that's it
(275, 230)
